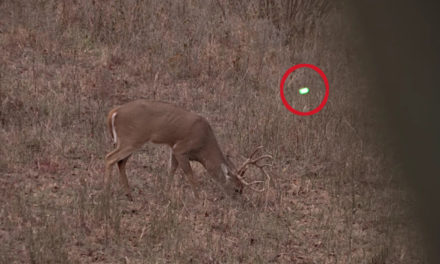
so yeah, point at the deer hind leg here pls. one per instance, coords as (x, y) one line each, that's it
(108, 167)
(123, 177)
(120, 155)
(172, 168)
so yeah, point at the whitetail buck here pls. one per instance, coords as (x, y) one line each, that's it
(189, 136)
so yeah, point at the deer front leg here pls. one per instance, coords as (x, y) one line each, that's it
(183, 162)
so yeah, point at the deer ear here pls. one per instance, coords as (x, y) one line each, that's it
(225, 171)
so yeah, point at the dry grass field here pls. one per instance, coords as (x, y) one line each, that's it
(335, 194)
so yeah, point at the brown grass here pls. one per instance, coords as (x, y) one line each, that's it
(336, 196)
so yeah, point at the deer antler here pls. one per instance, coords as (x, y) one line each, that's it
(254, 161)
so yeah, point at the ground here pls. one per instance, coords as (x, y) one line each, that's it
(335, 195)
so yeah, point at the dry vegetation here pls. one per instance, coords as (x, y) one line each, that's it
(335, 195)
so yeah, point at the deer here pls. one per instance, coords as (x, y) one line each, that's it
(189, 136)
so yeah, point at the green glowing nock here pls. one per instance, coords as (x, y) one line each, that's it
(303, 90)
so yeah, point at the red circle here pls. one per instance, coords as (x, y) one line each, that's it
(323, 102)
